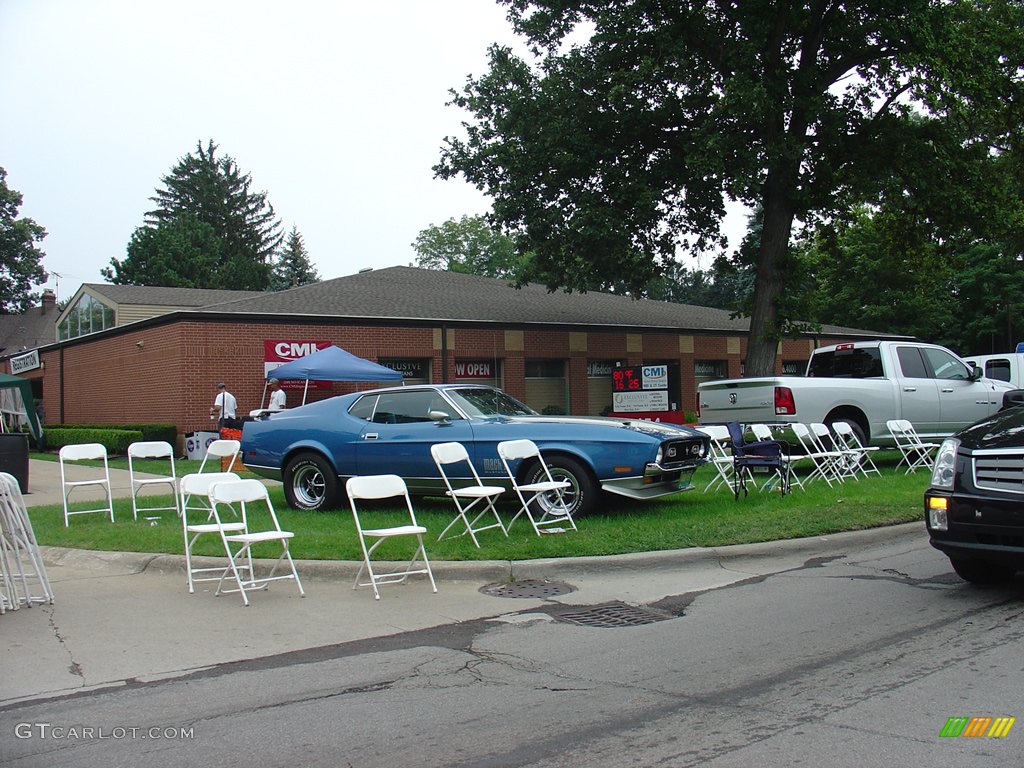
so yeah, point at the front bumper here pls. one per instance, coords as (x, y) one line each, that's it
(979, 527)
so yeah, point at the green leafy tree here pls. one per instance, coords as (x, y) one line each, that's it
(293, 267)
(989, 300)
(620, 144)
(209, 189)
(468, 245)
(183, 252)
(20, 260)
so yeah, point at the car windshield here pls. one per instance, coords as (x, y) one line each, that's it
(488, 402)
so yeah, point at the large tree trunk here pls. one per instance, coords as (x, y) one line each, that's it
(771, 277)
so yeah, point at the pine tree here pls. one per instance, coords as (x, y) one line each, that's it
(293, 266)
(212, 192)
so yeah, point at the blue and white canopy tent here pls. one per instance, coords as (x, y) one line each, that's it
(332, 364)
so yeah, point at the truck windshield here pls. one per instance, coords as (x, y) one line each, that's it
(847, 364)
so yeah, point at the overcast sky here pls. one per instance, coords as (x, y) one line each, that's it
(336, 109)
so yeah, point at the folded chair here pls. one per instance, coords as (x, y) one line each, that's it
(151, 450)
(747, 458)
(195, 501)
(23, 579)
(720, 456)
(99, 477)
(238, 543)
(377, 487)
(915, 453)
(467, 496)
(545, 496)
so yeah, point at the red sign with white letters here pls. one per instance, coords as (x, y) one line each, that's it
(277, 352)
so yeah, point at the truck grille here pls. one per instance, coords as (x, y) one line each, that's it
(1003, 471)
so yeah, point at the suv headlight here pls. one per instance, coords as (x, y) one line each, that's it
(945, 464)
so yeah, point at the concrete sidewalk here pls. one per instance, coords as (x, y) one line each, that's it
(124, 617)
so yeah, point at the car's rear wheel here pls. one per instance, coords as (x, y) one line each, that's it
(581, 495)
(310, 483)
(981, 572)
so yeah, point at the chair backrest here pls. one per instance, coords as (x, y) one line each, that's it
(736, 435)
(223, 448)
(449, 453)
(199, 484)
(717, 432)
(231, 490)
(762, 431)
(154, 449)
(83, 451)
(805, 438)
(376, 487)
(510, 450)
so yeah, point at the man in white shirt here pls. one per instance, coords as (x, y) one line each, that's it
(224, 405)
(277, 396)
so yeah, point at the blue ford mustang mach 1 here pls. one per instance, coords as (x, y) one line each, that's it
(315, 448)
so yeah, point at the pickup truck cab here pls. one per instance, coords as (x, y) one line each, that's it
(865, 384)
(1008, 367)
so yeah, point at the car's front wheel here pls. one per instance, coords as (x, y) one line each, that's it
(311, 483)
(581, 495)
(981, 572)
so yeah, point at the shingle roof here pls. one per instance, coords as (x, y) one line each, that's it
(410, 293)
(34, 328)
(165, 297)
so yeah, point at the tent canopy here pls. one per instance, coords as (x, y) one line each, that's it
(16, 406)
(334, 364)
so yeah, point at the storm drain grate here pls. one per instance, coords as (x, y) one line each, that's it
(529, 588)
(612, 615)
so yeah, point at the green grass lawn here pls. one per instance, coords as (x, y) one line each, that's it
(691, 519)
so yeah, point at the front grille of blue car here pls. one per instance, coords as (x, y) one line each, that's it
(680, 452)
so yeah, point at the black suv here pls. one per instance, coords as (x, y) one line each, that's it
(974, 506)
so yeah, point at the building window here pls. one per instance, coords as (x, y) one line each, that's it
(546, 389)
(88, 315)
(414, 371)
(599, 386)
(478, 372)
(706, 370)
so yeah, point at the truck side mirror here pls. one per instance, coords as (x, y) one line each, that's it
(976, 372)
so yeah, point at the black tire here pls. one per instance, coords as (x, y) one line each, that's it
(311, 483)
(981, 572)
(580, 497)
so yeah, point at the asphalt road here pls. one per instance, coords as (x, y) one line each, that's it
(856, 658)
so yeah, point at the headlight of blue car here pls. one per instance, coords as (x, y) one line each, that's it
(945, 464)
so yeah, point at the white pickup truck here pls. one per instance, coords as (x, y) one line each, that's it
(865, 384)
(1007, 367)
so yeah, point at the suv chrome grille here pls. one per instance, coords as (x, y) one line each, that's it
(1002, 471)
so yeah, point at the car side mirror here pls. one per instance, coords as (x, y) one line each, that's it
(440, 417)
(976, 372)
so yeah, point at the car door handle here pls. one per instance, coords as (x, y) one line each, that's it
(370, 436)
(910, 389)
(948, 390)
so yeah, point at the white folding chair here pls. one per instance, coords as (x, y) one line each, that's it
(845, 463)
(23, 579)
(197, 487)
(68, 456)
(720, 456)
(221, 449)
(157, 449)
(865, 464)
(821, 459)
(246, 493)
(762, 432)
(475, 492)
(914, 452)
(376, 487)
(547, 495)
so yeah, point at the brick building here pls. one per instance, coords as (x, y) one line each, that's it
(554, 350)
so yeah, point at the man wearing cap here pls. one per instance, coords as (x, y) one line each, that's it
(277, 396)
(224, 405)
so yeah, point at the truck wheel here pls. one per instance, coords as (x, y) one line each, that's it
(981, 572)
(310, 483)
(854, 426)
(581, 495)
